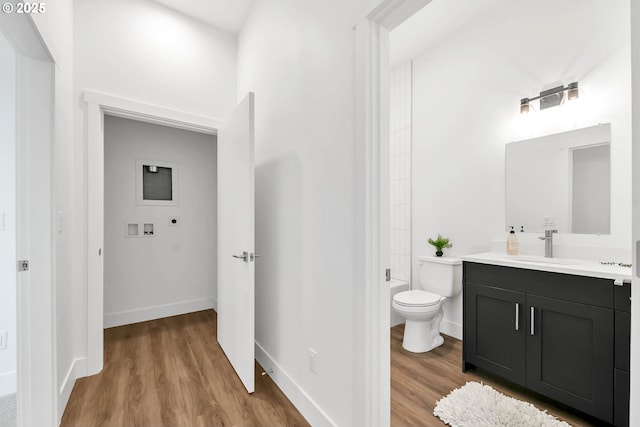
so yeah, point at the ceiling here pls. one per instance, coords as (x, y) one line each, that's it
(227, 15)
(435, 23)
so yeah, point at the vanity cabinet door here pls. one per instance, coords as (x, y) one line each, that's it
(570, 354)
(494, 331)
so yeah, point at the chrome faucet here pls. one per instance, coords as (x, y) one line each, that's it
(548, 243)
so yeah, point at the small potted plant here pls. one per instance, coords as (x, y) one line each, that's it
(439, 243)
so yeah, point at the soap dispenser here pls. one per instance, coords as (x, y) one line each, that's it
(512, 243)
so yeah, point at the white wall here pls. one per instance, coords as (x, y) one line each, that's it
(154, 55)
(174, 271)
(8, 361)
(466, 108)
(298, 57)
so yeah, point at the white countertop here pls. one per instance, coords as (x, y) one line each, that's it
(577, 267)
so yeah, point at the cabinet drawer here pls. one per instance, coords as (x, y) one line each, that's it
(568, 287)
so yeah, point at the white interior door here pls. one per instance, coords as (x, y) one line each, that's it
(236, 237)
(36, 348)
(31, 91)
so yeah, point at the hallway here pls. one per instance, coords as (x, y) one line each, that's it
(172, 372)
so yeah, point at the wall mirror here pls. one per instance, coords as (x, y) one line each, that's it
(560, 182)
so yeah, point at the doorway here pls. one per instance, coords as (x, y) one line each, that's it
(99, 106)
(235, 225)
(374, 50)
(160, 221)
(27, 353)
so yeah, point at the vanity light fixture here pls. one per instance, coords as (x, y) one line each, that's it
(551, 97)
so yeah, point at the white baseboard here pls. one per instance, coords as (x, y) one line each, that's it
(450, 328)
(301, 400)
(77, 370)
(8, 382)
(157, 312)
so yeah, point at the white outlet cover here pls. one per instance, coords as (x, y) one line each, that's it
(313, 364)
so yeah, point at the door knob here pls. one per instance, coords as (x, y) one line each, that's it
(253, 256)
(244, 256)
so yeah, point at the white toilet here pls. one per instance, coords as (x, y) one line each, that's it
(439, 278)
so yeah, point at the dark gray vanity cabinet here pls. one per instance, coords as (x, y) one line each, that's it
(553, 333)
(494, 337)
(622, 303)
(570, 354)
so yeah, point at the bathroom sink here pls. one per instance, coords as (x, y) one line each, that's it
(537, 259)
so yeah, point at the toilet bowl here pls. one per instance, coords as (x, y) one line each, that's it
(396, 286)
(439, 278)
(423, 313)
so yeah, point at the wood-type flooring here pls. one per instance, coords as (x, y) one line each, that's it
(172, 372)
(418, 381)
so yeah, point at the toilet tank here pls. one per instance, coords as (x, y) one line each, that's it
(440, 275)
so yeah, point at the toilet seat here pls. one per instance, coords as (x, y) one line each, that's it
(416, 298)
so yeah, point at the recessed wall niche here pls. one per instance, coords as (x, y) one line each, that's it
(156, 183)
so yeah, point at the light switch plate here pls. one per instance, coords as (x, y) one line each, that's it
(3, 339)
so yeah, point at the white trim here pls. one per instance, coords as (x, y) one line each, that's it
(156, 312)
(634, 415)
(77, 370)
(100, 104)
(130, 109)
(95, 238)
(300, 399)
(23, 36)
(8, 382)
(372, 107)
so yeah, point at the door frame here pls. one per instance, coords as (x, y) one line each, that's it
(634, 415)
(99, 104)
(372, 145)
(34, 142)
(371, 98)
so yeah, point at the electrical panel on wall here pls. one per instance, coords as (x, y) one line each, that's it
(156, 183)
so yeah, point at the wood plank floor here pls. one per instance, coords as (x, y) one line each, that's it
(172, 372)
(418, 381)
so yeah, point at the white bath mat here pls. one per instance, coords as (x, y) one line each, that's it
(478, 405)
(8, 410)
